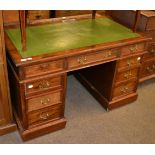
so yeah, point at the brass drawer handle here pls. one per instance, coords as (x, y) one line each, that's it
(152, 51)
(82, 60)
(151, 68)
(127, 75)
(133, 48)
(44, 84)
(124, 89)
(44, 116)
(45, 101)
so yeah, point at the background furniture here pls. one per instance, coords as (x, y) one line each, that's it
(12, 16)
(6, 118)
(146, 27)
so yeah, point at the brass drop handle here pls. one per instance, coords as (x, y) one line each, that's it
(44, 116)
(133, 48)
(124, 89)
(45, 101)
(127, 75)
(149, 69)
(152, 51)
(44, 84)
(82, 60)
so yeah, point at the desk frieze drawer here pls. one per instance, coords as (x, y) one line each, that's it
(127, 75)
(44, 115)
(43, 68)
(133, 49)
(124, 89)
(41, 85)
(43, 101)
(127, 63)
(94, 57)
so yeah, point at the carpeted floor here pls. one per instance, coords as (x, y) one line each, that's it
(88, 122)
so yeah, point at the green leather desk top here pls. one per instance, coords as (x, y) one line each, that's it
(58, 37)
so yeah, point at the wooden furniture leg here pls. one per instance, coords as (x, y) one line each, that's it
(137, 17)
(22, 20)
(93, 14)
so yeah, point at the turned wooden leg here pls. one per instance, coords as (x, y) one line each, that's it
(93, 14)
(137, 18)
(22, 20)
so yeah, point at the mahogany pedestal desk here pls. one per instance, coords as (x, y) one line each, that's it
(107, 58)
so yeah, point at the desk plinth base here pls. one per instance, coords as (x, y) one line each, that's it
(8, 128)
(40, 130)
(123, 101)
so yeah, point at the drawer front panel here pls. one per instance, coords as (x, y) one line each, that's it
(85, 59)
(40, 69)
(126, 75)
(129, 62)
(44, 101)
(43, 84)
(41, 116)
(64, 13)
(124, 89)
(132, 49)
(148, 68)
(38, 14)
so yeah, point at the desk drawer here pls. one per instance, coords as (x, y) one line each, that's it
(124, 89)
(132, 49)
(37, 86)
(94, 57)
(150, 54)
(129, 62)
(38, 14)
(40, 69)
(148, 68)
(126, 75)
(44, 115)
(43, 101)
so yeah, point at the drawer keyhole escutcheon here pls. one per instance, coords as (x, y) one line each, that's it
(109, 54)
(129, 62)
(82, 60)
(44, 116)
